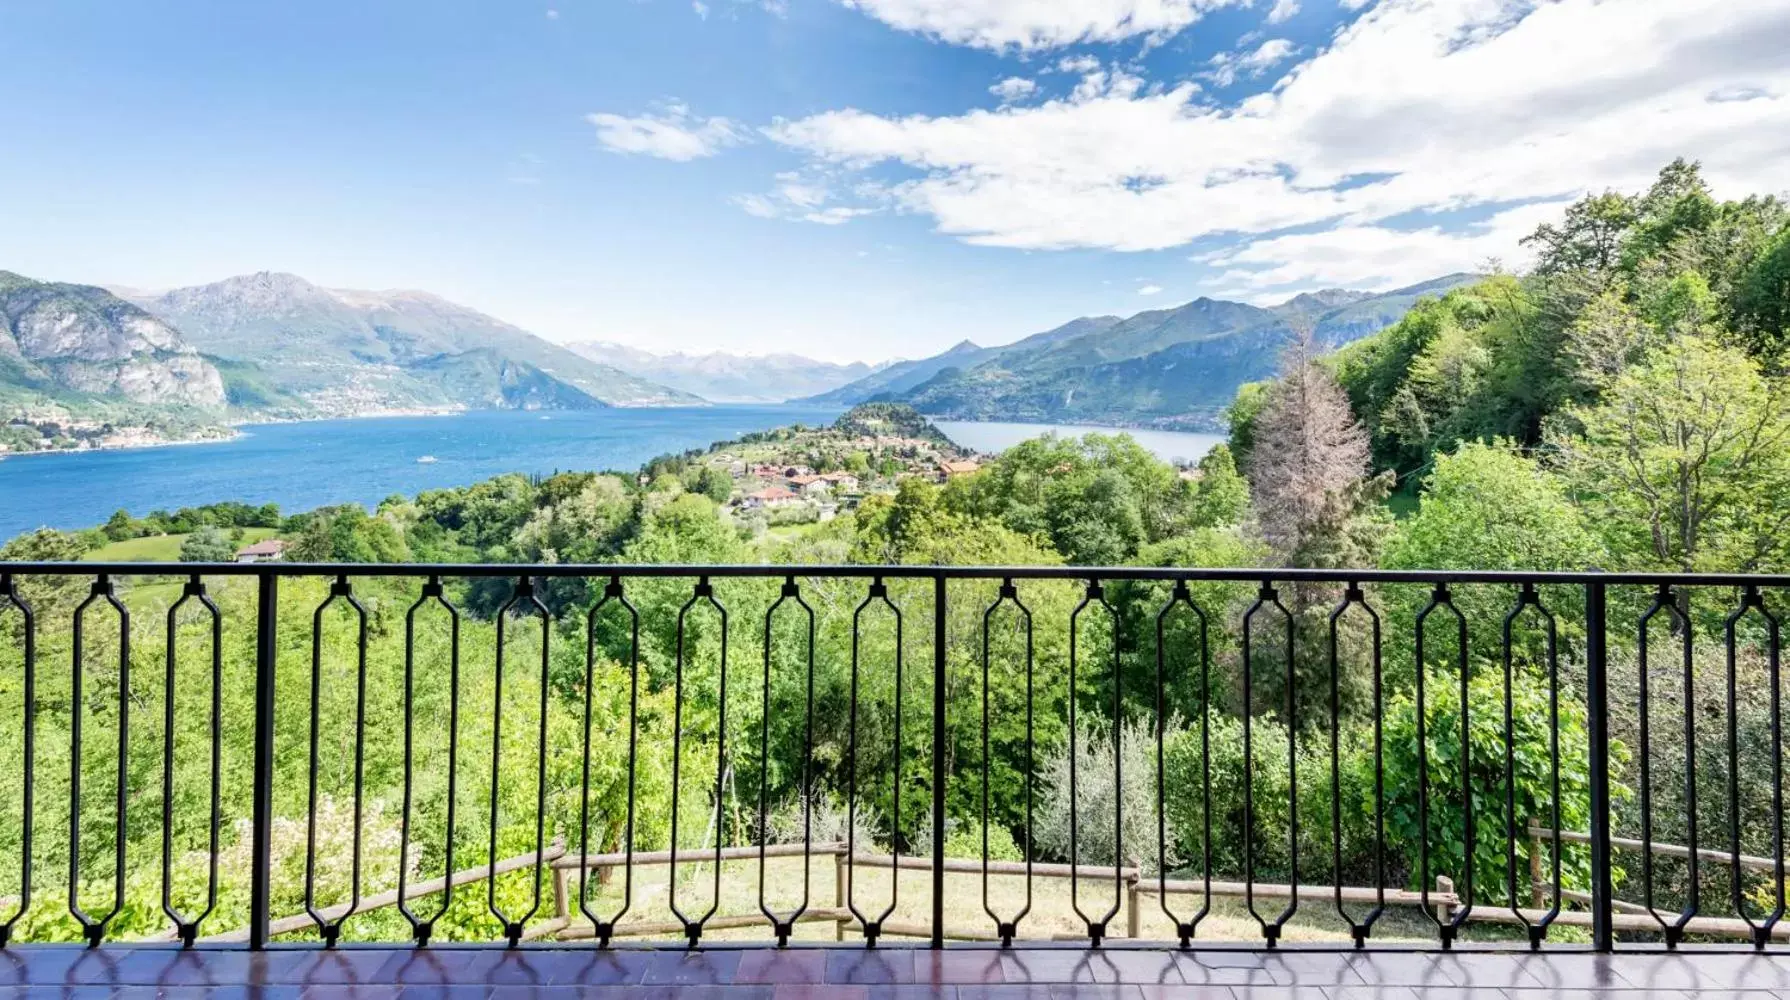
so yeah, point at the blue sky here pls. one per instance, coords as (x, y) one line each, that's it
(852, 180)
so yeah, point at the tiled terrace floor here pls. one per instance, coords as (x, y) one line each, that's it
(883, 974)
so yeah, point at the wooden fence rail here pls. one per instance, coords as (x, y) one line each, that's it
(1139, 889)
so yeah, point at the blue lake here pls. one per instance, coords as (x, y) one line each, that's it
(309, 464)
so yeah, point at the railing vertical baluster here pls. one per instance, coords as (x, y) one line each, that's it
(93, 927)
(938, 761)
(1597, 697)
(187, 928)
(9, 597)
(784, 925)
(605, 929)
(847, 870)
(330, 928)
(261, 859)
(1184, 927)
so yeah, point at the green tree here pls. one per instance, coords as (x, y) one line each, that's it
(588, 526)
(1485, 802)
(1486, 506)
(1222, 497)
(1097, 498)
(1682, 463)
(208, 544)
(711, 482)
(120, 525)
(349, 534)
(1762, 298)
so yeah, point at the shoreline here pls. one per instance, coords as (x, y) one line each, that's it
(237, 433)
(237, 427)
(134, 446)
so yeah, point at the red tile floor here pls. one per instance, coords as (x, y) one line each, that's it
(719, 973)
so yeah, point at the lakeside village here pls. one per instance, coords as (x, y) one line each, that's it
(771, 485)
(798, 475)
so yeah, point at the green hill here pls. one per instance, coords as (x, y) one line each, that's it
(303, 350)
(1168, 367)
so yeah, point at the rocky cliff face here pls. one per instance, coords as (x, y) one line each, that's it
(87, 340)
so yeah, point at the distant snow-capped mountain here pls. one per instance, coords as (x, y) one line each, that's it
(721, 377)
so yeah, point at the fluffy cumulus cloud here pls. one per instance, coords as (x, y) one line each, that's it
(1367, 256)
(1419, 107)
(1282, 11)
(1228, 66)
(1013, 88)
(1029, 25)
(670, 133)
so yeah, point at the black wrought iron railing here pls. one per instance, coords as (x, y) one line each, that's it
(1115, 755)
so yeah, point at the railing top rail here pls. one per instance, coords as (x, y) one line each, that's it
(1082, 573)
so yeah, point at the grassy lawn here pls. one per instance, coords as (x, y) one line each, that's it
(1051, 917)
(159, 548)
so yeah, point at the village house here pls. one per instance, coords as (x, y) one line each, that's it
(842, 480)
(810, 485)
(269, 550)
(773, 496)
(951, 470)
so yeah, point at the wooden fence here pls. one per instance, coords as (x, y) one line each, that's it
(1140, 892)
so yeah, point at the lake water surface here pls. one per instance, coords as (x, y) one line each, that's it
(309, 464)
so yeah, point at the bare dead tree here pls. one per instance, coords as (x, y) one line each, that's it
(1307, 472)
(1315, 506)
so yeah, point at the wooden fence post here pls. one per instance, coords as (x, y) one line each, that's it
(1445, 910)
(1538, 896)
(840, 892)
(562, 906)
(1134, 913)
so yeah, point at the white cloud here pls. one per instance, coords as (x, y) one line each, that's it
(1418, 106)
(552, 15)
(1078, 64)
(701, 9)
(1283, 11)
(1150, 290)
(1228, 66)
(1013, 88)
(1374, 257)
(802, 197)
(1028, 25)
(672, 134)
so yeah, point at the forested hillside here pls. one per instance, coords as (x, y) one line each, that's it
(1174, 367)
(1639, 369)
(1622, 407)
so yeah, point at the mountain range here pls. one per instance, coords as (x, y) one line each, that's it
(293, 348)
(72, 342)
(1177, 367)
(80, 359)
(720, 377)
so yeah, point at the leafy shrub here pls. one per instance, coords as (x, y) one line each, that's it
(1095, 797)
(1486, 763)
